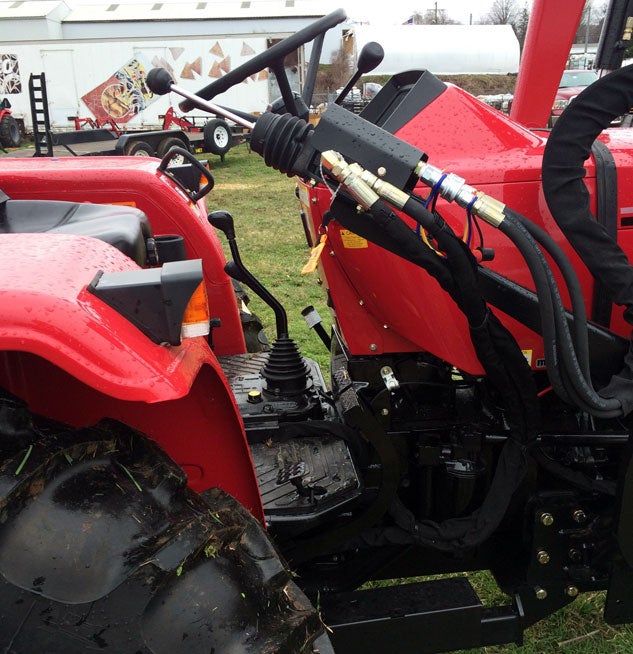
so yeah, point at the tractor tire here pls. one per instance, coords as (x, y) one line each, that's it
(9, 132)
(167, 144)
(102, 545)
(218, 138)
(139, 149)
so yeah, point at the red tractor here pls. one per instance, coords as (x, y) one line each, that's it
(167, 490)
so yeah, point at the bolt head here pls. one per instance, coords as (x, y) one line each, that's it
(574, 555)
(547, 519)
(542, 557)
(579, 516)
(381, 172)
(571, 591)
(373, 347)
(540, 593)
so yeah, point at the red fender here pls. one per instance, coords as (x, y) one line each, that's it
(135, 181)
(74, 359)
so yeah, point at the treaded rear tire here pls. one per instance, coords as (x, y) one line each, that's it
(102, 545)
(9, 132)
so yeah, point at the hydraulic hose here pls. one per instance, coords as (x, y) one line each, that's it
(568, 147)
(575, 386)
(581, 339)
(567, 197)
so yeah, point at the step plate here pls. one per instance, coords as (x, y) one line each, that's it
(437, 615)
(328, 465)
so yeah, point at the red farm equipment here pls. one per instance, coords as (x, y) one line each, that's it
(164, 490)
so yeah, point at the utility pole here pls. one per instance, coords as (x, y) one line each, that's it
(586, 32)
(436, 13)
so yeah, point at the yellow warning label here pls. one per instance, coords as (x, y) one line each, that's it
(528, 356)
(352, 241)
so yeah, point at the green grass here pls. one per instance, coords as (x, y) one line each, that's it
(273, 246)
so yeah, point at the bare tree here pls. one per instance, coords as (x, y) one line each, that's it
(591, 22)
(502, 12)
(433, 16)
(520, 27)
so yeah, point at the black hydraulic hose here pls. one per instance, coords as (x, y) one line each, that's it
(581, 339)
(461, 261)
(576, 387)
(553, 320)
(568, 147)
(496, 349)
(567, 197)
(546, 304)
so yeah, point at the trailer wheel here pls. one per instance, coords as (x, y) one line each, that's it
(218, 138)
(103, 545)
(139, 149)
(9, 132)
(167, 144)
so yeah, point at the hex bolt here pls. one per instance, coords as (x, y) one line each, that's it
(373, 347)
(571, 591)
(579, 516)
(547, 519)
(540, 593)
(542, 557)
(574, 555)
(384, 412)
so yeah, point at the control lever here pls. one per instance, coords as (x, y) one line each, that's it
(285, 372)
(223, 221)
(369, 58)
(160, 82)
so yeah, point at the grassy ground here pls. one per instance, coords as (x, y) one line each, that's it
(272, 241)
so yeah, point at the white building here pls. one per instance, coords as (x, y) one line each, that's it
(95, 56)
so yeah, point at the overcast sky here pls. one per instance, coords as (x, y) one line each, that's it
(397, 11)
(389, 12)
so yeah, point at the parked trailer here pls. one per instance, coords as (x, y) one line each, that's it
(106, 137)
(103, 141)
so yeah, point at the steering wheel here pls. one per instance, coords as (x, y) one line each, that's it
(273, 58)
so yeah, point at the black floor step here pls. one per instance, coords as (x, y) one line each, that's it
(437, 615)
(328, 468)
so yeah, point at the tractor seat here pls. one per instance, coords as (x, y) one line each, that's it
(126, 228)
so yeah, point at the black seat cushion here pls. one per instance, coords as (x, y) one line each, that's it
(126, 228)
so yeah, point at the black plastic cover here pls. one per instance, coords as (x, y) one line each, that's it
(367, 144)
(153, 299)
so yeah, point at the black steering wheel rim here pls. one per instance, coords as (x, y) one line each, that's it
(270, 58)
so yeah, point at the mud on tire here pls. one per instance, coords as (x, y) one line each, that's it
(102, 545)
